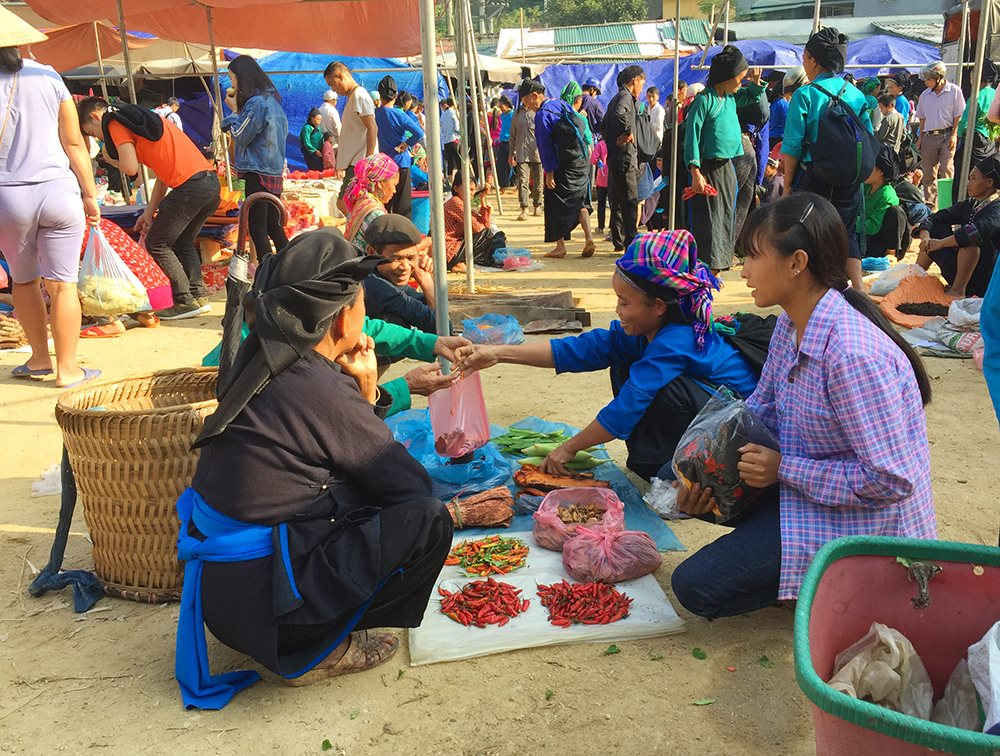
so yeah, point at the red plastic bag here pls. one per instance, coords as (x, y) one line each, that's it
(458, 418)
(551, 531)
(610, 556)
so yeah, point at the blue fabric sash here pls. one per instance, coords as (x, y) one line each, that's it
(226, 540)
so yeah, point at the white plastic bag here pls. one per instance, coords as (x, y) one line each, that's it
(662, 499)
(964, 313)
(959, 706)
(883, 667)
(106, 285)
(984, 668)
(891, 278)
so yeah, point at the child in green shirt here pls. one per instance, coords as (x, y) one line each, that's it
(882, 227)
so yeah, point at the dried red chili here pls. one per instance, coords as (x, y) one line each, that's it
(482, 603)
(583, 603)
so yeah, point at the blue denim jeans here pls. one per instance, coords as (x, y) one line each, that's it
(737, 573)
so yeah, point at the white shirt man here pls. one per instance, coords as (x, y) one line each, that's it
(657, 113)
(331, 116)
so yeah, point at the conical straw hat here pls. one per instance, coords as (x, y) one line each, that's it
(15, 31)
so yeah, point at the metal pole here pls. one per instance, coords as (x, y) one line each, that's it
(460, 37)
(671, 187)
(218, 95)
(477, 104)
(481, 99)
(522, 37)
(977, 73)
(725, 33)
(127, 57)
(100, 62)
(816, 12)
(961, 40)
(435, 169)
(449, 18)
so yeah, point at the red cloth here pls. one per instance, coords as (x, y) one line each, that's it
(138, 260)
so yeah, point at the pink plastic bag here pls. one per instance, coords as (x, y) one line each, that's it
(551, 532)
(610, 556)
(458, 418)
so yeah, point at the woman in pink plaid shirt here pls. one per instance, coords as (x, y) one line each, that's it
(844, 395)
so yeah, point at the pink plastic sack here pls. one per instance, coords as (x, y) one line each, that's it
(458, 418)
(610, 556)
(551, 532)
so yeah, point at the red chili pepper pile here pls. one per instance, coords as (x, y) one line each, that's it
(584, 603)
(482, 603)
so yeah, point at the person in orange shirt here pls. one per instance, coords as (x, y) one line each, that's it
(487, 239)
(135, 136)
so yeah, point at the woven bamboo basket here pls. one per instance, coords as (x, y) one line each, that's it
(129, 443)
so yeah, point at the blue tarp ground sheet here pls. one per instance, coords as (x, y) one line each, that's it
(413, 429)
(886, 52)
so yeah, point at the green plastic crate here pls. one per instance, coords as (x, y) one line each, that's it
(946, 190)
(960, 562)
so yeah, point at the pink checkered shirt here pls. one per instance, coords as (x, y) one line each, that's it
(846, 409)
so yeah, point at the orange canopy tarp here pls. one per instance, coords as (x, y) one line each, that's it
(387, 28)
(70, 47)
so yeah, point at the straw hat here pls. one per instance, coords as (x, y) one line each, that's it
(15, 31)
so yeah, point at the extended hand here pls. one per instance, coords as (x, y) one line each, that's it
(360, 363)
(231, 100)
(447, 346)
(759, 465)
(469, 359)
(555, 462)
(144, 223)
(624, 139)
(426, 379)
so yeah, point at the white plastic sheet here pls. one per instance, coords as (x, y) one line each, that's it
(442, 639)
(984, 667)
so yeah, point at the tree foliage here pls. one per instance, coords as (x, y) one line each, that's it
(573, 12)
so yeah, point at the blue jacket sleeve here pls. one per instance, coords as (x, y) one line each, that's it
(413, 126)
(795, 125)
(581, 354)
(385, 301)
(246, 125)
(662, 362)
(693, 123)
(543, 137)
(990, 324)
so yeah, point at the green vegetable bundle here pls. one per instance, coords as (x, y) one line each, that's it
(517, 440)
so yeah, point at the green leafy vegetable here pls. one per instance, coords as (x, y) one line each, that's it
(703, 702)
(697, 653)
(765, 662)
(612, 649)
(549, 693)
(327, 745)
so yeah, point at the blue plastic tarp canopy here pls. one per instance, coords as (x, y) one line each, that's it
(886, 53)
(660, 73)
(300, 92)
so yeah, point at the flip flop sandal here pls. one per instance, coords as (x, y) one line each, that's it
(588, 250)
(108, 331)
(23, 371)
(147, 319)
(552, 255)
(89, 374)
(364, 652)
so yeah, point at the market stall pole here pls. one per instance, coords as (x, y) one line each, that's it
(477, 79)
(435, 167)
(469, 45)
(671, 189)
(466, 142)
(985, 10)
(127, 58)
(218, 95)
(962, 33)
(100, 63)
(816, 12)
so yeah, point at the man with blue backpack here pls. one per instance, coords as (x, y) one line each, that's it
(829, 147)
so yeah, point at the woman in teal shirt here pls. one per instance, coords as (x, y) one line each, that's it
(311, 140)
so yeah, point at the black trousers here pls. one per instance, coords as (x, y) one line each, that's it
(846, 201)
(503, 172)
(658, 432)
(314, 161)
(452, 159)
(401, 204)
(602, 206)
(265, 220)
(624, 217)
(170, 240)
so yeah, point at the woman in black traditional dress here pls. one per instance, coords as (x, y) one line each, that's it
(565, 152)
(305, 522)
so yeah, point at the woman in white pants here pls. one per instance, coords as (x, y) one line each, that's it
(46, 193)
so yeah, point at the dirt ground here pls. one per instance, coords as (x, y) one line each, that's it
(104, 680)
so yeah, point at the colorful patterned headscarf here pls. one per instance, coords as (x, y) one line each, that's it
(666, 262)
(367, 173)
(570, 92)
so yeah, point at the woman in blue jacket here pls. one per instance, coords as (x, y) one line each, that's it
(665, 354)
(259, 129)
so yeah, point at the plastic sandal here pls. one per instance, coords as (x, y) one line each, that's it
(23, 371)
(89, 374)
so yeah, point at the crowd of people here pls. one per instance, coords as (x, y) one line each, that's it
(306, 523)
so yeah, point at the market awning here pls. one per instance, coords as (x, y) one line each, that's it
(496, 69)
(351, 27)
(68, 47)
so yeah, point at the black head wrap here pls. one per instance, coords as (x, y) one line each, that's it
(829, 48)
(387, 89)
(990, 168)
(727, 64)
(294, 298)
(989, 72)
(888, 162)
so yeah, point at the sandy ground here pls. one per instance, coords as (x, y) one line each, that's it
(105, 680)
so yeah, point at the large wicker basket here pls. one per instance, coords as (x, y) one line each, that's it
(129, 443)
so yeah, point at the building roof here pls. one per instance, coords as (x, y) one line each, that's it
(797, 30)
(606, 39)
(693, 32)
(927, 32)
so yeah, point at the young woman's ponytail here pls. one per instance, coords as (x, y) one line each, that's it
(804, 220)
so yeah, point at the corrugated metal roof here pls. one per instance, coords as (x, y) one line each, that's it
(932, 33)
(607, 39)
(692, 31)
